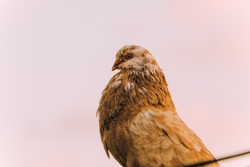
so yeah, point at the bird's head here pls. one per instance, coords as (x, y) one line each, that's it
(133, 57)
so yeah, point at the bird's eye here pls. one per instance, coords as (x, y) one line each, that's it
(129, 56)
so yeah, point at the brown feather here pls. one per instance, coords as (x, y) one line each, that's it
(138, 121)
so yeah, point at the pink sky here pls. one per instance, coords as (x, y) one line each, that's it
(56, 58)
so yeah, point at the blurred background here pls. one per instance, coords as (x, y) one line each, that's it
(56, 58)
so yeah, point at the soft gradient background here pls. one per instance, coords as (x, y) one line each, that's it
(56, 58)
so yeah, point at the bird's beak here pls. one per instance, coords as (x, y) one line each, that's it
(117, 62)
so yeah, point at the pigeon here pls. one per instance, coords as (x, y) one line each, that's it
(138, 121)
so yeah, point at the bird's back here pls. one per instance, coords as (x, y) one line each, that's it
(154, 138)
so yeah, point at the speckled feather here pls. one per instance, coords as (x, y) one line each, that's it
(138, 121)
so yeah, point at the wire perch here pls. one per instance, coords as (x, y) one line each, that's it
(219, 159)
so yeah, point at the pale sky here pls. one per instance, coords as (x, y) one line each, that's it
(56, 58)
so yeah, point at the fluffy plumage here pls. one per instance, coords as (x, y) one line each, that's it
(138, 121)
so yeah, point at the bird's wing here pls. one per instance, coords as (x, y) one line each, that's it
(162, 138)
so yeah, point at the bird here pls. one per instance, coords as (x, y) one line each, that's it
(138, 121)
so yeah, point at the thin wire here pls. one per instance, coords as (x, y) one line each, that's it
(220, 159)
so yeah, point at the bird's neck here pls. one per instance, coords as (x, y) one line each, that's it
(131, 90)
(149, 88)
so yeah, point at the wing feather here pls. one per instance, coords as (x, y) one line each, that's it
(161, 138)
